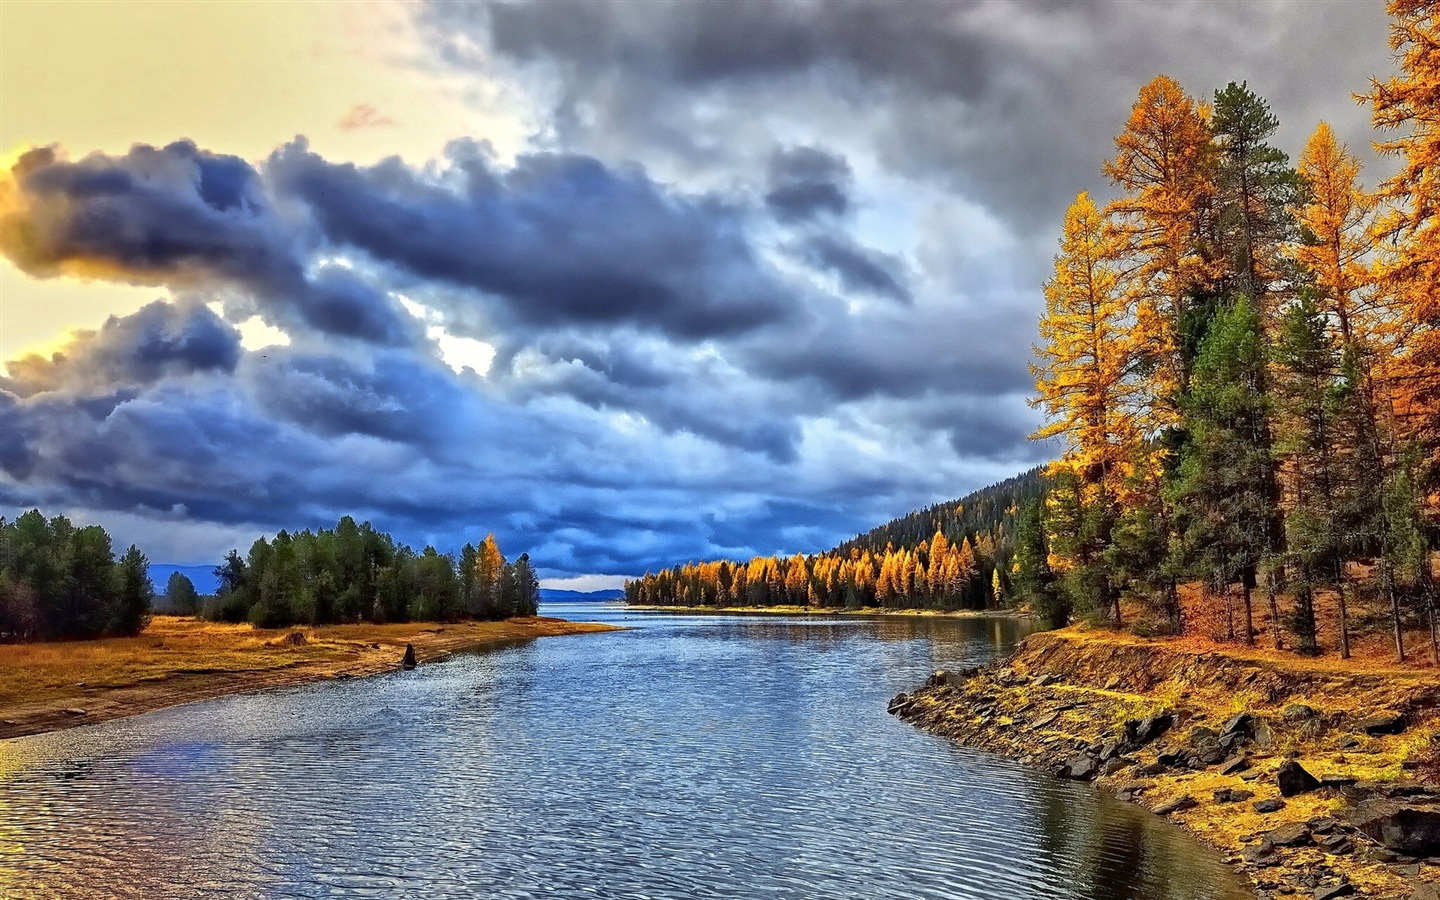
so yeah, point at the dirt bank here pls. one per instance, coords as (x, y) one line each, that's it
(47, 687)
(1210, 739)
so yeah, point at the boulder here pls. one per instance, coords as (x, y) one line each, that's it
(1143, 731)
(408, 662)
(1082, 768)
(295, 639)
(1236, 764)
(1268, 806)
(1426, 892)
(1292, 779)
(1291, 834)
(1262, 736)
(1261, 855)
(897, 703)
(1343, 889)
(1176, 805)
(1238, 724)
(1404, 828)
(1385, 723)
(1232, 795)
(1200, 736)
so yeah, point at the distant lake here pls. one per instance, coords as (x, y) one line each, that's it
(695, 756)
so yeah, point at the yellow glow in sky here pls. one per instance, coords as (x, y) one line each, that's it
(234, 77)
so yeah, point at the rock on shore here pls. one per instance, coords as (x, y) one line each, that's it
(1306, 800)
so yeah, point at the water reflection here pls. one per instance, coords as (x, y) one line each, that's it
(690, 757)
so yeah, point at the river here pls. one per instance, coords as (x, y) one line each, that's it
(693, 756)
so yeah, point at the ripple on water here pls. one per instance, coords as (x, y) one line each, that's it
(691, 757)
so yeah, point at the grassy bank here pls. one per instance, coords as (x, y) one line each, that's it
(48, 686)
(866, 611)
(1061, 704)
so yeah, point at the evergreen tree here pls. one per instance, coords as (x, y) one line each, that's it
(1224, 481)
(180, 594)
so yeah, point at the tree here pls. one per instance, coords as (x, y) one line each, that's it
(1165, 162)
(487, 583)
(1311, 394)
(1085, 384)
(1256, 189)
(180, 594)
(1408, 106)
(1223, 489)
(135, 595)
(527, 597)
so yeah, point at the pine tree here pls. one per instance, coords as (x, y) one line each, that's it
(1311, 393)
(1256, 189)
(1223, 489)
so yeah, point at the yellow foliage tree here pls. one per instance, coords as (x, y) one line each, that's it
(1165, 163)
(1408, 105)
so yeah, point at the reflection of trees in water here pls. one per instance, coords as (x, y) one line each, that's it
(1119, 853)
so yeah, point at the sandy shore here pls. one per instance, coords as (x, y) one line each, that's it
(50, 686)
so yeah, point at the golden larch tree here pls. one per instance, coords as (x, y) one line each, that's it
(1164, 162)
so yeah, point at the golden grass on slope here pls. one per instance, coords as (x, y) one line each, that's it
(180, 659)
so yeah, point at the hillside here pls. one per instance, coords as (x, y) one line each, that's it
(952, 555)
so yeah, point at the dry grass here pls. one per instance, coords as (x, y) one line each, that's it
(179, 659)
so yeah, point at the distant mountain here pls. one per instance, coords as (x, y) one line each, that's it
(555, 595)
(203, 577)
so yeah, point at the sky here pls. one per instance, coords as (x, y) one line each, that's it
(625, 283)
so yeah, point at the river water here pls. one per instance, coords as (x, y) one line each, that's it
(693, 756)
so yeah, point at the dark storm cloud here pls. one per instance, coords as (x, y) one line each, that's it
(1013, 103)
(860, 269)
(181, 217)
(561, 239)
(159, 340)
(807, 181)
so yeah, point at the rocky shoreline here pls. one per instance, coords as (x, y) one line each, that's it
(1304, 797)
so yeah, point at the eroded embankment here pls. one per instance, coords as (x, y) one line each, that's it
(1307, 778)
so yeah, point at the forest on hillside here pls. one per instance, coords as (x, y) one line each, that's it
(1241, 356)
(955, 555)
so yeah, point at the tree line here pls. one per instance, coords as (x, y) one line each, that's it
(354, 573)
(58, 580)
(1241, 357)
(949, 556)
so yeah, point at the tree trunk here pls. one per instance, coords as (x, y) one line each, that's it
(1344, 620)
(1249, 613)
(1395, 617)
(1229, 612)
(1274, 611)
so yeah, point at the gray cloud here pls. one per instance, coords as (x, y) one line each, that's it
(560, 239)
(161, 340)
(806, 182)
(1010, 103)
(859, 269)
(767, 275)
